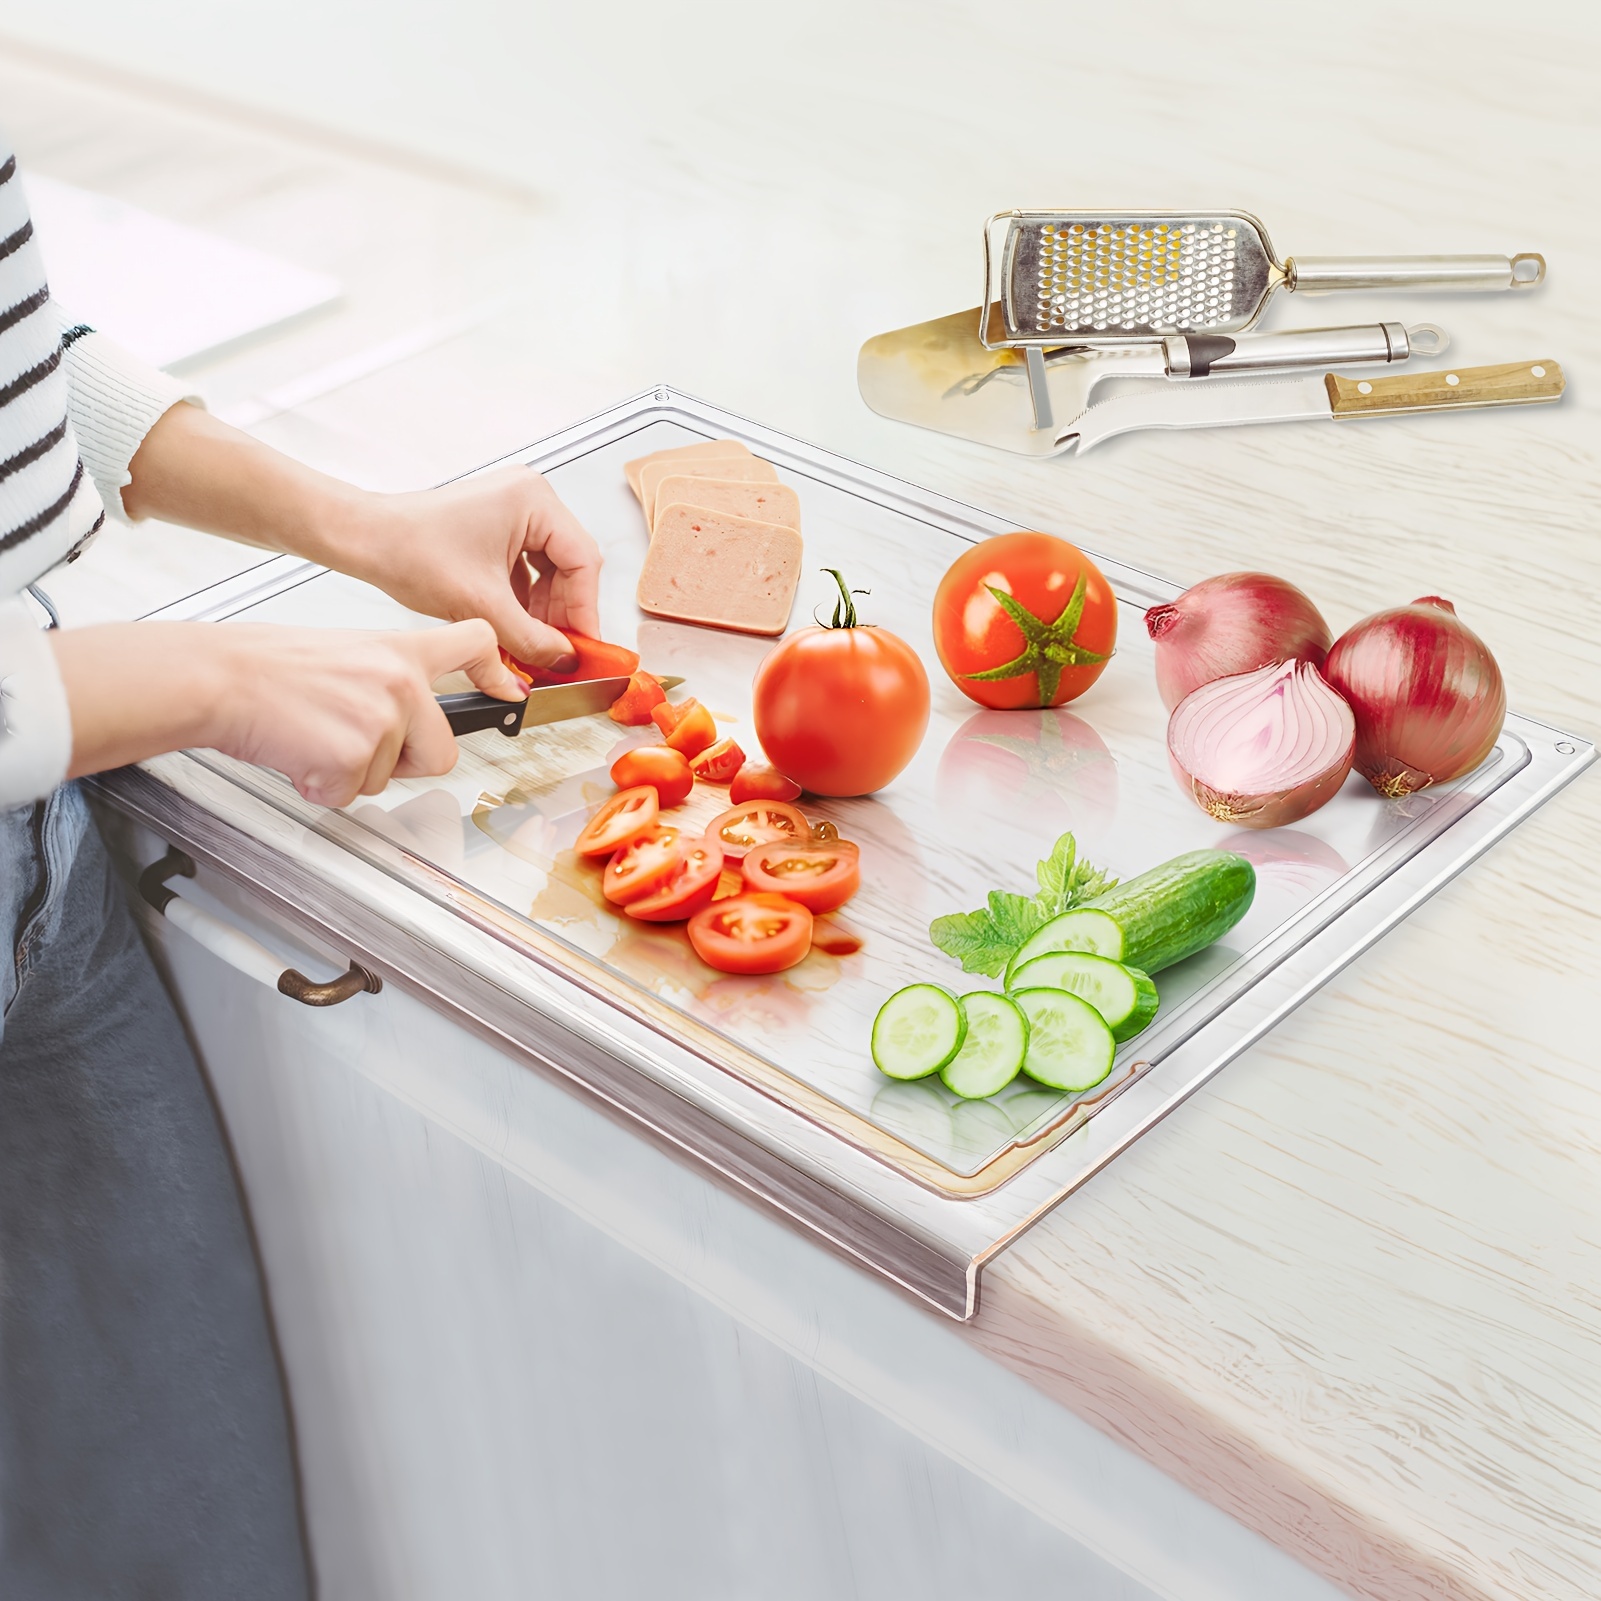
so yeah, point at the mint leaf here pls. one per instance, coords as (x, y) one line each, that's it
(983, 941)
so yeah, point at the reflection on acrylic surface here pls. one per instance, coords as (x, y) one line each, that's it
(1051, 764)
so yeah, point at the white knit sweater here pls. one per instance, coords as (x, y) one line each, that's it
(74, 409)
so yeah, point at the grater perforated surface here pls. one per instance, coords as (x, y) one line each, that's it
(1104, 276)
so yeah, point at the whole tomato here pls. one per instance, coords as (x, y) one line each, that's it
(841, 709)
(1024, 620)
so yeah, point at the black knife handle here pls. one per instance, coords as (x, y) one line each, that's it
(471, 711)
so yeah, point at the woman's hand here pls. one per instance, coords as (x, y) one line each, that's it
(501, 546)
(338, 713)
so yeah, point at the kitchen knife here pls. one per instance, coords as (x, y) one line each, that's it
(472, 710)
(1224, 403)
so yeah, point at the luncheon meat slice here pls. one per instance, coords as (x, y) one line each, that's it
(708, 447)
(721, 570)
(750, 469)
(766, 503)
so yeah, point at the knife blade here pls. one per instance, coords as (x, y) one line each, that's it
(1323, 397)
(471, 710)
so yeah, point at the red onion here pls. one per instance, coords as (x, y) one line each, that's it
(1232, 624)
(1428, 696)
(1264, 748)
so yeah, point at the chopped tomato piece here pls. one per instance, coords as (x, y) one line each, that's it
(693, 729)
(666, 771)
(742, 828)
(752, 934)
(627, 815)
(688, 889)
(719, 763)
(818, 876)
(632, 708)
(596, 659)
(642, 865)
(665, 715)
(762, 783)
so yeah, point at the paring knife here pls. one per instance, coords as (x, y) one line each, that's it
(1224, 403)
(472, 710)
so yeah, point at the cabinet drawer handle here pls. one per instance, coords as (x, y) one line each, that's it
(237, 948)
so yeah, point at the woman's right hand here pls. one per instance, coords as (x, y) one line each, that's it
(339, 713)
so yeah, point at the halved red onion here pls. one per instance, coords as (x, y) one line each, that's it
(1264, 748)
(1231, 624)
(1428, 696)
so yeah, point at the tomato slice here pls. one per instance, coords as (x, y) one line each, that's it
(688, 889)
(719, 763)
(742, 828)
(752, 934)
(666, 771)
(642, 866)
(627, 815)
(762, 783)
(596, 659)
(818, 876)
(632, 708)
(693, 729)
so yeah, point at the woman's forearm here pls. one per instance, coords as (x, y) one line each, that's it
(197, 471)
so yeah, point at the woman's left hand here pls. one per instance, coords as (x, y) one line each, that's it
(502, 547)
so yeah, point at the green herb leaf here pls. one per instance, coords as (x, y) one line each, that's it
(983, 941)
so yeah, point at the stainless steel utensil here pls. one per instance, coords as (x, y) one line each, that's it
(1065, 277)
(471, 711)
(937, 375)
(1316, 397)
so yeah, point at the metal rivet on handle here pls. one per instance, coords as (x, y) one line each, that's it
(1539, 372)
(1451, 378)
(1364, 388)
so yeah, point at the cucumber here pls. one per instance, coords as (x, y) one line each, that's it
(1179, 908)
(1124, 996)
(917, 1031)
(1069, 1045)
(1082, 929)
(992, 1052)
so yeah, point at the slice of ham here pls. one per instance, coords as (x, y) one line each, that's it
(720, 570)
(708, 447)
(749, 469)
(764, 502)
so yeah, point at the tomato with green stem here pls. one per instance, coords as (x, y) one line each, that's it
(1024, 619)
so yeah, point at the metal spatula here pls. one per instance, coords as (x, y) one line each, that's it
(1075, 277)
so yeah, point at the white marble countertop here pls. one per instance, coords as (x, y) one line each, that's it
(1349, 1291)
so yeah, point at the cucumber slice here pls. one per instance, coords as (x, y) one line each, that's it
(1069, 1045)
(1124, 996)
(1082, 929)
(992, 1053)
(917, 1031)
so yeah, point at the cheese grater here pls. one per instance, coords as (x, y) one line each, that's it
(1079, 277)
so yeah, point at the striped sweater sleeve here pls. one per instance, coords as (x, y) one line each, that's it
(73, 412)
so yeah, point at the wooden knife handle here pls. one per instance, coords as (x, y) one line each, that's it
(1522, 383)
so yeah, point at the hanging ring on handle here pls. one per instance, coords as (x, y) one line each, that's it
(1528, 269)
(237, 948)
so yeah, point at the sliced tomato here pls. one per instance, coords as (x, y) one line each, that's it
(818, 876)
(742, 828)
(627, 815)
(633, 707)
(642, 866)
(665, 715)
(688, 889)
(596, 659)
(693, 729)
(762, 783)
(719, 763)
(666, 771)
(752, 934)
